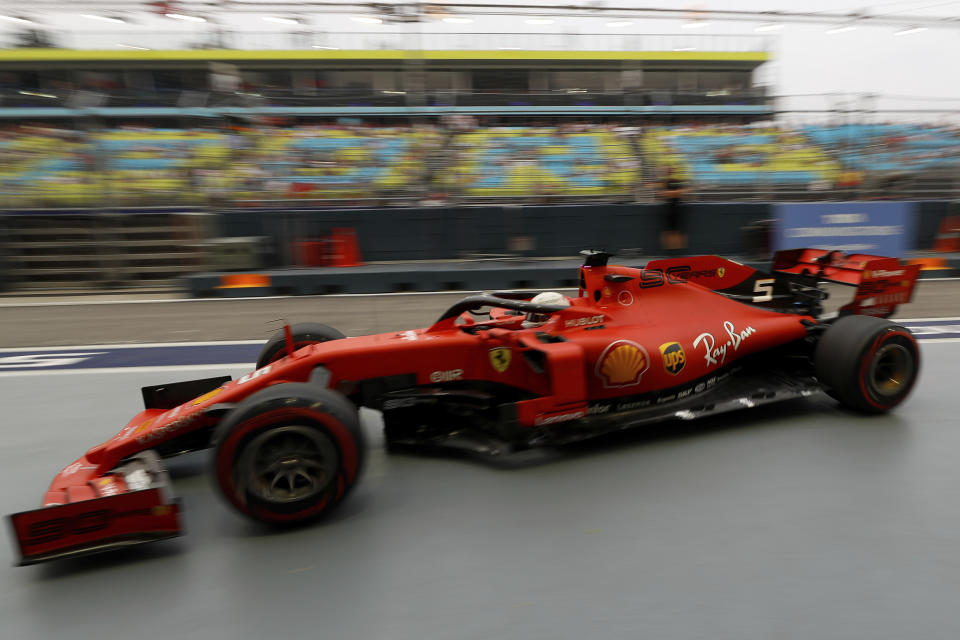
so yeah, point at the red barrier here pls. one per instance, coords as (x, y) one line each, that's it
(339, 249)
(311, 253)
(948, 237)
(344, 251)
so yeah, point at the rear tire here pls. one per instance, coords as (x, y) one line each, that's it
(304, 333)
(868, 364)
(288, 454)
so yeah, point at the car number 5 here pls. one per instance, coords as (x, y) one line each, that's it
(764, 290)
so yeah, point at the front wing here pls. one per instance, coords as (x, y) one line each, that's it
(92, 525)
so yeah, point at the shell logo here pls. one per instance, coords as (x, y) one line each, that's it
(622, 364)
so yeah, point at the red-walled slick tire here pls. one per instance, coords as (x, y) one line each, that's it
(288, 454)
(868, 364)
(304, 333)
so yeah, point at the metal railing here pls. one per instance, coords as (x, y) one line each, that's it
(924, 185)
(254, 98)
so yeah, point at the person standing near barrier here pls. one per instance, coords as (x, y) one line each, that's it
(671, 190)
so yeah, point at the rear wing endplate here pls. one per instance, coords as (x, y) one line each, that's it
(882, 283)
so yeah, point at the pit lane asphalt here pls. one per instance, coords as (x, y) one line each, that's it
(790, 521)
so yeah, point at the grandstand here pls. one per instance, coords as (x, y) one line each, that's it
(141, 166)
(354, 164)
(910, 159)
(541, 162)
(724, 156)
(889, 147)
(359, 163)
(823, 159)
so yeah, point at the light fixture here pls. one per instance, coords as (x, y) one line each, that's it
(769, 26)
(133, 46)
(14, 19)
(321, 46)
(92, 16)
(509, 48)
(367, 19)
(458, 20)
(539, 20)
(685, 49)
(619, 23)
(185, 18)
(279, 20)
(36, 95)
(695, 24)
(908, 30)
(840, 28)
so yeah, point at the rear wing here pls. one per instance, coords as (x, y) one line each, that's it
(882, 283)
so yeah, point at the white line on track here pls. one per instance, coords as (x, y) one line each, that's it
(71, 303)
(137, 345)
(172, 368)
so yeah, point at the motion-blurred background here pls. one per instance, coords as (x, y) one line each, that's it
(145, 142)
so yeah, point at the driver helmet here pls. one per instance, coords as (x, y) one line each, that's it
(546, 297)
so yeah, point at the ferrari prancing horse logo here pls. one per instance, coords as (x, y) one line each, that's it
(500, 358)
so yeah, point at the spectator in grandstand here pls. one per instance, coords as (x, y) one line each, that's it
(671, 190)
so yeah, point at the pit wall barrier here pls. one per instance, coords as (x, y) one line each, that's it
(444, 248)
(442, 233)
(446, 233)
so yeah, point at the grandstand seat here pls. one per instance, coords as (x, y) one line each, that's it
(737, 155)
(889, 147)
(538, 161)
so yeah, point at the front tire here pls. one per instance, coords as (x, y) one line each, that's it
(288, 454)
(304, 333)
(868, 364)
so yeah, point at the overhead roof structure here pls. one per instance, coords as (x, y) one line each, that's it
(403, 12)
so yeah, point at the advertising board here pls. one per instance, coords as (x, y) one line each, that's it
(879, 228)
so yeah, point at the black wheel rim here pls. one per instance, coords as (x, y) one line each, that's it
(288, 464)
(891, 370)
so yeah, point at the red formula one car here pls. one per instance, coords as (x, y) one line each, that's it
(680, 338)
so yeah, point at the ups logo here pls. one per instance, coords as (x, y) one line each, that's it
(673, 357)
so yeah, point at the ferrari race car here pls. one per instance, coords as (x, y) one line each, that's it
(497, 373)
